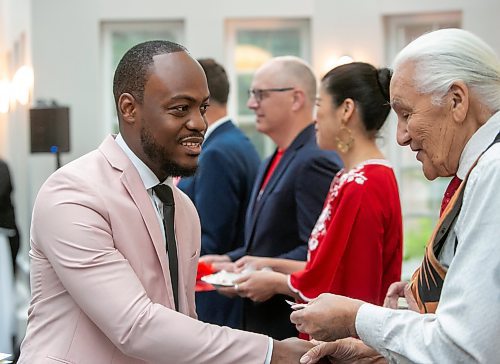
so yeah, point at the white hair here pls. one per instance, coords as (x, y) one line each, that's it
(445, 56)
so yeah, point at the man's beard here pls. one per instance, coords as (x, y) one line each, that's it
(158, 154)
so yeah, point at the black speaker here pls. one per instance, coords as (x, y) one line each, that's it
(49, 129)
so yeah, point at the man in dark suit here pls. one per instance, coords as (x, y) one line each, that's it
(7, 214)
(291, 185)
(220, 190)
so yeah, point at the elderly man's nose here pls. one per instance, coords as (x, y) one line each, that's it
(402, 136)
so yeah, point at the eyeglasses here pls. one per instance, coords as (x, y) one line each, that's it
(258, 93)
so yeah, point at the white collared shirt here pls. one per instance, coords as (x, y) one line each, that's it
(466, 325)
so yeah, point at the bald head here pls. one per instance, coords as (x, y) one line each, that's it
(282, 96)
(294, 72)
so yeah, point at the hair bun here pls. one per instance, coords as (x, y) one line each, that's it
(384, 79)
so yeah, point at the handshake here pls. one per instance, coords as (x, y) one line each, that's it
(294, 350)
(343, 351)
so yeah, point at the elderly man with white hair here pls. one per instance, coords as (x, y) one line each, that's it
(445, 91)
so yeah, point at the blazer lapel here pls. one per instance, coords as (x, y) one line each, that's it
(275, 177)
(133, 184)
(253, 204)
(257, 202)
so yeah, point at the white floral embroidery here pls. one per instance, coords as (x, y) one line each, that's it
(313, 243)
(354, 175)
(320, 227)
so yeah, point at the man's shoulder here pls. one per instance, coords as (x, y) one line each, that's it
(88, 167)
(230, 134)
(487, 168)
(311, 153)
(230, 143)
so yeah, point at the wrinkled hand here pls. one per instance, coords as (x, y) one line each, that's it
(344, 351)
(289, 350)
(397, 290)
(258, 286)
(254, 263)
(328, 317)
(214, 258)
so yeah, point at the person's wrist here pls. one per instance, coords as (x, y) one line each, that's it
(352, 317)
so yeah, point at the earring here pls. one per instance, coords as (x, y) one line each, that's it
(344, 139)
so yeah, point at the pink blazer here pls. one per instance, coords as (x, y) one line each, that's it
(100, 278)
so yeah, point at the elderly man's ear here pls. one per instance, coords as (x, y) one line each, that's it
(459, 93)
(127, 107)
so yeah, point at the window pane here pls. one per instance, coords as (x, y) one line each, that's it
(280, 42)
(122, 41)
(244, 82)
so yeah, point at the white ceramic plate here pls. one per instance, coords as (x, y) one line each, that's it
(222, 278)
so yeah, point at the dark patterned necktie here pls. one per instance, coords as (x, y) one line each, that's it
(166, 196)
(450, 190)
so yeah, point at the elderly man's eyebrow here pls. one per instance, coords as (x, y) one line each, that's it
(397, 104)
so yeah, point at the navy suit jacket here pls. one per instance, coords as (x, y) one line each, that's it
(220, 190)
(280, 220)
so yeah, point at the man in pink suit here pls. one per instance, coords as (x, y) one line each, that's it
(100, 272)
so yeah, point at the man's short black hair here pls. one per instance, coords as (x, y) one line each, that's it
(218, 83)
(132, 72)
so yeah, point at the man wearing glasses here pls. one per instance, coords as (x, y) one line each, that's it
(291, 185)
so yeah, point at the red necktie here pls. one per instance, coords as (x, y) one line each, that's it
(452, 187)
(272, 167)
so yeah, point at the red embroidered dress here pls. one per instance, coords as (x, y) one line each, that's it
(355, 248)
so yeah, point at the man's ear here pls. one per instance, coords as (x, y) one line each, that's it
(459, 101)
(127, 108)
(299, 99)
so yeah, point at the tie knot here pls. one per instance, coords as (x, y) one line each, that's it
(164, 193)
(450, 191)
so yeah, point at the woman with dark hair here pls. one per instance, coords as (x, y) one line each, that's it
(355, 248)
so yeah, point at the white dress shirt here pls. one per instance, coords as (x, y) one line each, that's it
(150, 180)
(466, 325)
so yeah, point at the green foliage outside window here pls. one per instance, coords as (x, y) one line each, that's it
(418, 233)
